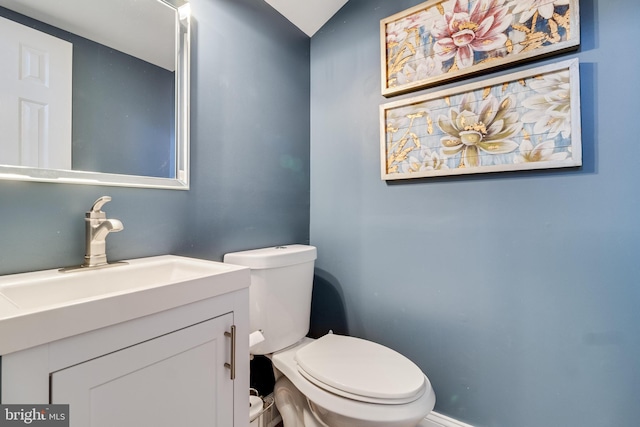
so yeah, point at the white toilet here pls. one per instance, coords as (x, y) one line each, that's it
(333, 381)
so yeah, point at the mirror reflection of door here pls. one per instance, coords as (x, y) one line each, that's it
(35, 98)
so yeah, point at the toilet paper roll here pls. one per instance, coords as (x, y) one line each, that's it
(255, 407)
(255, 338)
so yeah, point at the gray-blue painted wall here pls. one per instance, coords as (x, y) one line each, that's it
(250, 158)
(250, 107)
(517, 293)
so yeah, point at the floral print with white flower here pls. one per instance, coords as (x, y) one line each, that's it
(525, 121)
(408, 61)
(424, 161)
(473, 129)
(419, 69)
(543, 152)
(527, 8)
(550, 106)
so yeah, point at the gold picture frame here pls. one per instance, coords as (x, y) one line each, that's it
(440, 41)
(521, 121)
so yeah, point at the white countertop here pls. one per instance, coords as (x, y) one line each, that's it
(54, 312)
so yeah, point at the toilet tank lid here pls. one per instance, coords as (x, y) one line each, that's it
(278, 256)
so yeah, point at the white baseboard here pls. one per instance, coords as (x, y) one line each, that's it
(435, 419)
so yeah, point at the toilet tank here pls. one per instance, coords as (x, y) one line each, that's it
(280, 293)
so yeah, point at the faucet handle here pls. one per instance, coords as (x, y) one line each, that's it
(96, 209)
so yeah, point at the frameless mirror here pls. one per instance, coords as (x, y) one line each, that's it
(95, 92)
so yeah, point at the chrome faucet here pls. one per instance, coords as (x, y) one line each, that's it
(98, 228)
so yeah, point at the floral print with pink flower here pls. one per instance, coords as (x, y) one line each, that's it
(439, 39)
(467, 30)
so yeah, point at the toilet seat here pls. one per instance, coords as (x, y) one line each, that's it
(360, 370)
(334, 409)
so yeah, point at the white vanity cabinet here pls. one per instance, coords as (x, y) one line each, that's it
(175, 379)
(171, 368)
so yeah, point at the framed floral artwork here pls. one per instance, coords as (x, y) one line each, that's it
(439, 41)
(520, 121)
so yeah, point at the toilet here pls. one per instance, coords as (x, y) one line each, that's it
(332, 381)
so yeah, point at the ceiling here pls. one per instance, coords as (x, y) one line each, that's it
(308, 15)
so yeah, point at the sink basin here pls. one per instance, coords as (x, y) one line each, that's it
(33, 290)
(41, 306)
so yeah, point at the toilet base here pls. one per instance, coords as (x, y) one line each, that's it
(293, 406)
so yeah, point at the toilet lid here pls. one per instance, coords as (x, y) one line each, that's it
(360, 368)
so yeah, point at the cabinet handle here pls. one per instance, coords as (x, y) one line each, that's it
(232, 365)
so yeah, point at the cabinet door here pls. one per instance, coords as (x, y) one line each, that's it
(178, 379)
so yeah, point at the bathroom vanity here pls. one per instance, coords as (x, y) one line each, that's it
(156, 342)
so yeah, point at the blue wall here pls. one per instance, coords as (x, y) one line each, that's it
(250, 109)
(250, 158)
(517, 293)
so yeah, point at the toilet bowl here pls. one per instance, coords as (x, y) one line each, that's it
(352, 383)
(335, 380)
